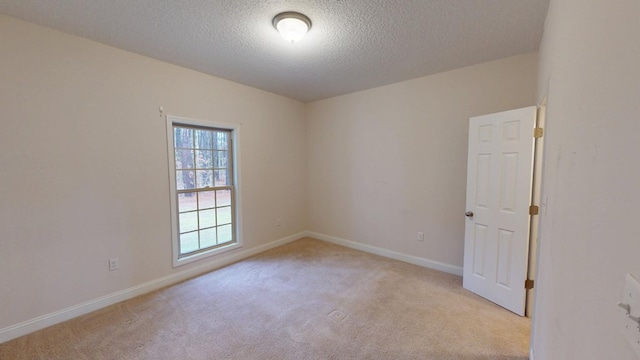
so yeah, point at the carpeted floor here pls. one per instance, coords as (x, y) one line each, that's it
(305, 300)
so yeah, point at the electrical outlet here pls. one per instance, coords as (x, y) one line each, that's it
(278, 222)
(114, 264)
(631, 298)
(420, 236)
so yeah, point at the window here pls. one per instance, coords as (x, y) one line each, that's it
(203, 188)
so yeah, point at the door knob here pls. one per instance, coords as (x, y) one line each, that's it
(468, 214)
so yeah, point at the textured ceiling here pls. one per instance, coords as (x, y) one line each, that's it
(353, 44)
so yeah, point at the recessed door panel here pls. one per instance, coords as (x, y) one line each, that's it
(509, 182)
(511, 130)
(485, 133)
(480, 238)
(482, 183)
(505, 242)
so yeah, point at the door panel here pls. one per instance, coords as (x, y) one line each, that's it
(480, 238)
(499, 174)
(482, 180)
(505, 241)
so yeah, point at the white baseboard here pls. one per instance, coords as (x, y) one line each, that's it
(531, 354)
(431, 264)
(41, 322)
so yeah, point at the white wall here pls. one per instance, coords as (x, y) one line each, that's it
(389, 162)
(84, 171)
(589, 240)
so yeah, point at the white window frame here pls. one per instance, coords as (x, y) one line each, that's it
(175, 236)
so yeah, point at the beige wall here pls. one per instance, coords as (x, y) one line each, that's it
(387, 163)
(84, 171)
(590, 73)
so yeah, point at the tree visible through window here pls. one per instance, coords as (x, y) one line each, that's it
(204, 188)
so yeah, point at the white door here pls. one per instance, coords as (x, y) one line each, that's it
(499, 172)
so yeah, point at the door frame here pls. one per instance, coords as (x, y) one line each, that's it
(536, 194)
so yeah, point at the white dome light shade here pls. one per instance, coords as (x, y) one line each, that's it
(292, 29)
(292, 25)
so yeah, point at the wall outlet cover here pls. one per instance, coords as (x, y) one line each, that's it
(114, 264)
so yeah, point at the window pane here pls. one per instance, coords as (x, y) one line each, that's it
(205, 178)
(221, 159)
(224, 215)
(186, 202)
(207, 218)
(188, 242)
(224, 234)
(185, 180)
(184, 159)
(221, 177)
(208, 237)
(182, 137)
(221, 140)
(203, 139)
(188, 222)
(204, 159)
(223, 197)
(206, 200)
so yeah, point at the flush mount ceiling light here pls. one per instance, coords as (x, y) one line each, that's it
(291, 25)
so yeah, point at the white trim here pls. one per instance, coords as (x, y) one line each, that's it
(531, 354)
(41, 322)
(431, 264)
(237, 219)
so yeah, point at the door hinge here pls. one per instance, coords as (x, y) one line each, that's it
(534, 210)
(528, 284)
(538, 132)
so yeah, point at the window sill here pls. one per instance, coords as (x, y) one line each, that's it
(203, 255)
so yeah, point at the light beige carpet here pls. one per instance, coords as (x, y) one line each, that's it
(305, 300)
